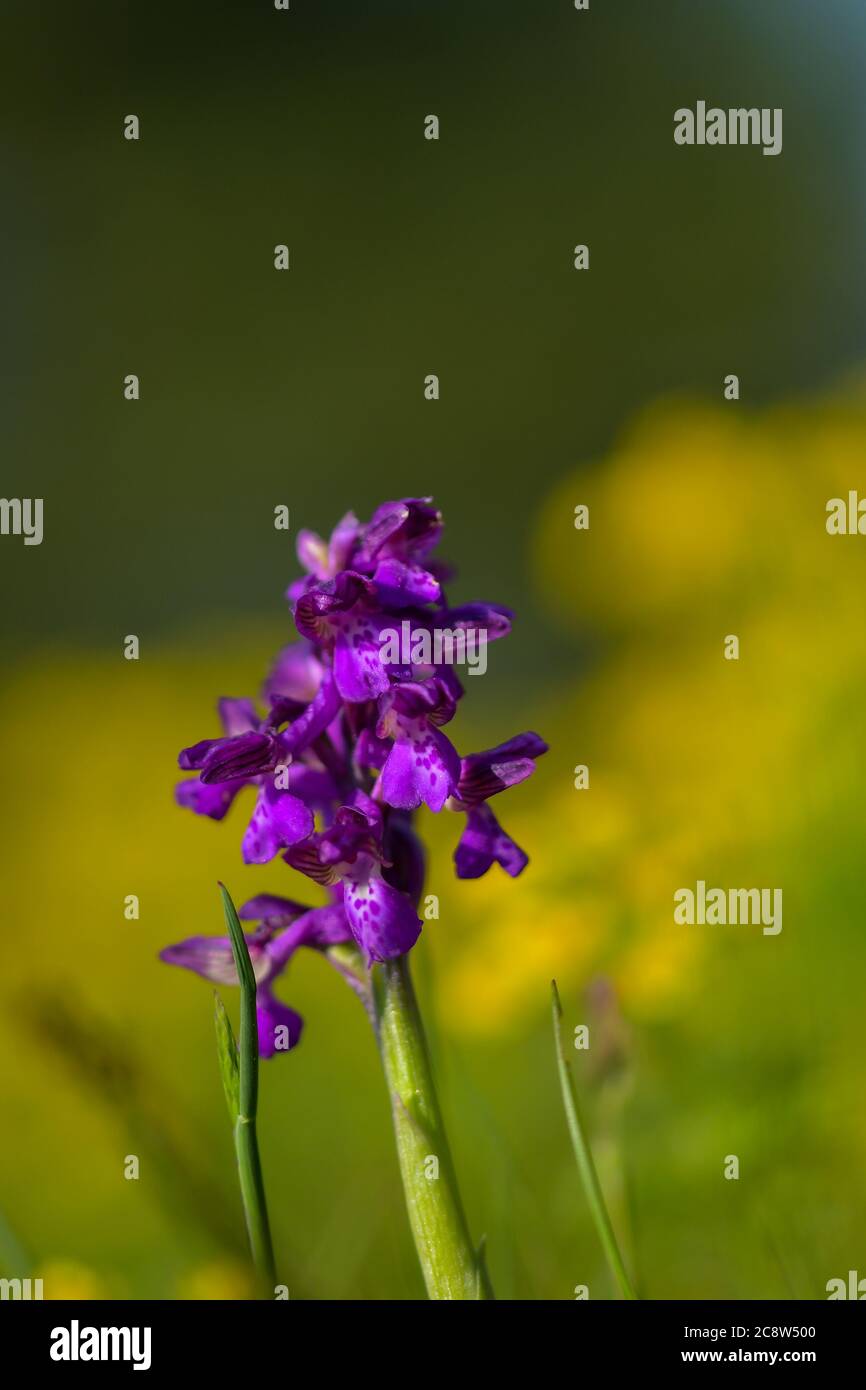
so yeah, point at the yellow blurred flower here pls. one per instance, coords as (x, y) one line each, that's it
(704, 522)
(62, 1278)
(219, 1280)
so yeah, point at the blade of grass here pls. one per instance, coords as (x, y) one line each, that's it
(246, 1141)
(583, 1155)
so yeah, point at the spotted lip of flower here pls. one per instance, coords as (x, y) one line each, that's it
(423, 764)
(286, 926)
(381, 918)
(482, 775)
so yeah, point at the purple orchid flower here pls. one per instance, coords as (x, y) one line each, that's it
(253, 754)
(381, 918)
(422, 765)
(341, 615)
(350, 746)
(325, 560)
(285, 926)
(483, 775)
(406, 530)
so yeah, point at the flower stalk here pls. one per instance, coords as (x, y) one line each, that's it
(451, 1266)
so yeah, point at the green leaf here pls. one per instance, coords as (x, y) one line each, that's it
(227, 1055)
(583, 1156)
(241, 1080)
(240, 951)
(248, 1041)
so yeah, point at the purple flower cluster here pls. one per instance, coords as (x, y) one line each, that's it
(348, 748)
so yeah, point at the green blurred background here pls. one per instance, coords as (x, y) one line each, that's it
(557, 387)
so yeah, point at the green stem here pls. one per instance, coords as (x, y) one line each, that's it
(253, 1198)
(246, 1141)
(451, 1267)
(583, 1154)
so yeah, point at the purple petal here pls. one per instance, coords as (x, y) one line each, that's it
(308, 858)
(325, 856)
(362, 812)
(383, 921)
(296, 674)
(482, 775)
(313, 554)
(192, 759)
(491, 618)
(279, 1026)
(299, 587)
(483, 843)
(358, 668)
(238, 716)
(448, 678)
(411, 700)
(344, 539)
(371, 751)
(423, 765)
(194, 795)
(318, 928)
(244, 755)
(211, 957)
(526, 745)
(399, 585)
(406, 530)
(279, 820)
(274, 911)
(315, 787)
(313, 722)
(316, 610)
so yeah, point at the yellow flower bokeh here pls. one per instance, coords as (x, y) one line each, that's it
(705, 522)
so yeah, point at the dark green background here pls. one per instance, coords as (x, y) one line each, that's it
(408, 257)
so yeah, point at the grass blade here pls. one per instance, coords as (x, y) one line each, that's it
(583, 1155)
(246, 1141)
